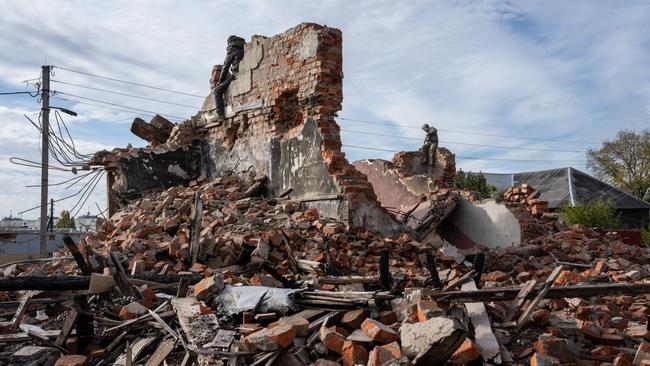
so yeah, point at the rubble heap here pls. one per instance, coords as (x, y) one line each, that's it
(532, 213)
(217, 272)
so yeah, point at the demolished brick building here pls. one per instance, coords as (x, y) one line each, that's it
(280, 111)
(253, 240)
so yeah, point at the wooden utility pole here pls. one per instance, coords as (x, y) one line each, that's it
(45, 151)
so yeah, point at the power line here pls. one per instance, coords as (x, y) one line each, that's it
(479, 158)
(465, 132)
(461, 143)
(131, 82)
(125, 94)
(22, 92)
(97, 105)
(121, 106)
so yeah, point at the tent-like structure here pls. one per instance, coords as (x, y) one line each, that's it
(570, 185)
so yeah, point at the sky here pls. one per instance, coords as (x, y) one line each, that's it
(556, 76)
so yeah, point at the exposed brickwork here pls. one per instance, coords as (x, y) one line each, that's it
(298, 77)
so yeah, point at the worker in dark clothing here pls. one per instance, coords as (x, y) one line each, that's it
(234, 54)
(428, 149)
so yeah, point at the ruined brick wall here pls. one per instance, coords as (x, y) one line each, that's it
(280, 121)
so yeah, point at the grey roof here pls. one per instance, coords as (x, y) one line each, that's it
(568, 185)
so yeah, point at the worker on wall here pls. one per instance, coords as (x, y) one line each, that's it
(428, 149)
(234, 54)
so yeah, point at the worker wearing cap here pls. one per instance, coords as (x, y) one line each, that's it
(428, 149)
(234, 54)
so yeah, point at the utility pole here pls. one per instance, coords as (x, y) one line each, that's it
(45, 150)
(50, 223)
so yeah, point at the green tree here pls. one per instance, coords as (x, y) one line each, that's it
(65, 221)
(623, 162)
(595, 215)
(474, 182)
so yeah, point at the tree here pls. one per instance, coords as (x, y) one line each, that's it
(65, 221)
(474, 182)
(623, 162)
(596, 215)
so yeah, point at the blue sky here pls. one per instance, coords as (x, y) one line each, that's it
(564, 74)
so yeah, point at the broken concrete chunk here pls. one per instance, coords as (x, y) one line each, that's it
(209, 287)
(431, 342)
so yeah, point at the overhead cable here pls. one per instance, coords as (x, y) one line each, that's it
(119, 105)
(461, 143)
(130, 82)
(387, 123)
(477, 158)
(125, 94)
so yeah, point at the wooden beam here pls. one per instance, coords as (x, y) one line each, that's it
(67, 283)
(519, 300)
(20, 312)
(197, 218)
(78, 257)
(68, 326)
(510, 293)
(539, 297)
(159, 355)
(121, 279)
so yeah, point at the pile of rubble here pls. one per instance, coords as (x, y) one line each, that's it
(532, 212)
(218, 273)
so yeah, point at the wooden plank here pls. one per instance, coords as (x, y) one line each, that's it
(20, 312)
(164, 325)
(23, 336)
(135, 351)
(519, 300)
(342, 280)
(78, 257)
(68, 326)
(121, 279)
(510, 293)
(459, 281)
(197, 217)
(540, 295)
(159, 355)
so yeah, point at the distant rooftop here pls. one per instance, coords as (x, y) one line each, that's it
(567, 185)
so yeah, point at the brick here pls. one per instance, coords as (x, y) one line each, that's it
(388, 317)
(72, 360)
(543, 360)
(466, 353)
(381, 355)
(301, 325)
(379, 332)
(354, 354)
(270, 339)
(132, 311)
(555, 347)
(353, 318)
(209, 287)
(332, 339)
